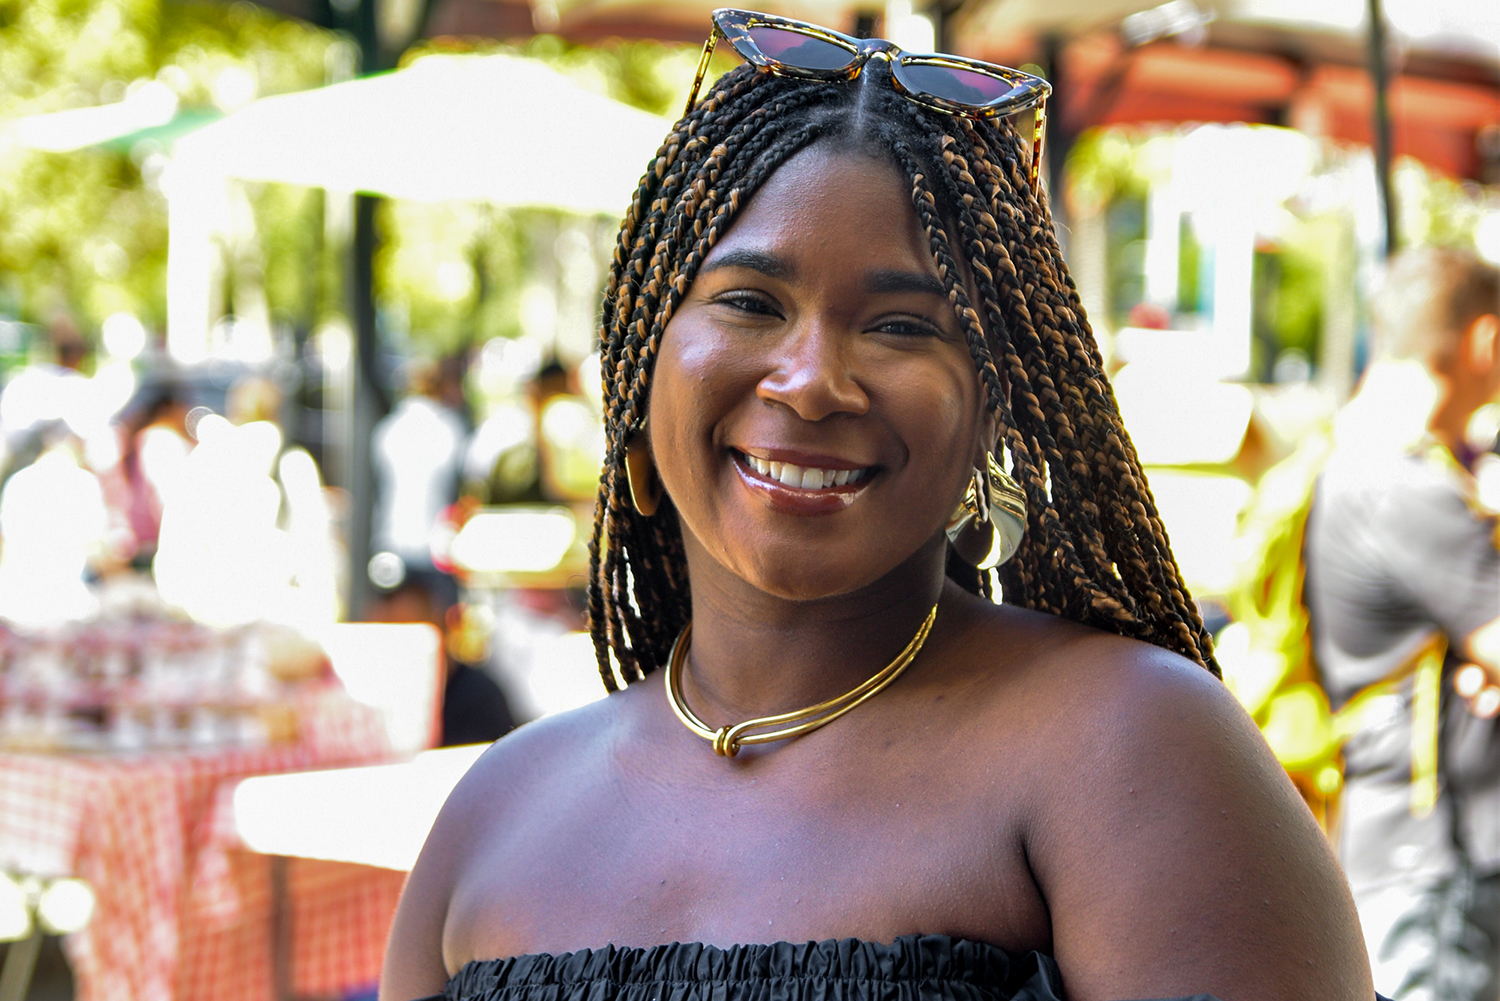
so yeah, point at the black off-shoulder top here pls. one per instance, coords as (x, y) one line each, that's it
(912, 968)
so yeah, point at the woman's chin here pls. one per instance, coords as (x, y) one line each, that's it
(803, 574)
(807, 590)
(793, 558)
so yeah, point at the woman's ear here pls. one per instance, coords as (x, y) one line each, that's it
(1482, 340)
(1480, 355)
(989, 434)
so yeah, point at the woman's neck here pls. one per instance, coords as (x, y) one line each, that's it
(754, 654)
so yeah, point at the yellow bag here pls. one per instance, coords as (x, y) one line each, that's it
(1266, 653)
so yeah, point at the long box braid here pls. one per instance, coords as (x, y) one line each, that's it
(1095, 549)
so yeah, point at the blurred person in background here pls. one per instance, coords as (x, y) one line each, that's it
(547, 450)
(1402, 589)
(44, 393)
(503, 461)
(570, 438)
(54, 526)
(252, 398)
(153, 447)
(475, 710)
(418, 451)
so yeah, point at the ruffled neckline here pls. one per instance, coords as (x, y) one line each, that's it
(925, 957)
(911, 968)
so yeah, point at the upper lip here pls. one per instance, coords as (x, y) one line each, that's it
(797, 457)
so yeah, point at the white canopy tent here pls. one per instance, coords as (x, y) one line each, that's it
(1470, 27)
(502, 129)
(151, 105)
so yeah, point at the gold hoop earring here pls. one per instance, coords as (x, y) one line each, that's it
(640, 474)
(988, 524)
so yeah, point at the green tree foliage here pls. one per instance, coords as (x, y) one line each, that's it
(453, 274)
(86, 231)
(1110, 171)
(1108, 163)
(652, 76)
(1434, 210)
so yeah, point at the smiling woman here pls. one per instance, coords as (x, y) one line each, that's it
(817, 339)
(839, 343)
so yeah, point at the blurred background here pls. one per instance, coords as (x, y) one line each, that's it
(299, 405)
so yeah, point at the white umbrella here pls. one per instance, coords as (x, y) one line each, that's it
(151, 105)
(1000, 18)
(1467, 27)
(501, 129)
(1460, 27)
(692, 16)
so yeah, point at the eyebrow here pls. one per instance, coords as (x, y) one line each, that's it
(885, 281)
(905, 281)
(755, 260)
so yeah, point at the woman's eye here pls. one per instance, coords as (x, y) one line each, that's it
(748, 302)
(907, 326)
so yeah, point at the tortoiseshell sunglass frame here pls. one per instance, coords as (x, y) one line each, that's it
(1025, 92)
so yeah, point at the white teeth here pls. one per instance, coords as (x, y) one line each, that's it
(803, 477)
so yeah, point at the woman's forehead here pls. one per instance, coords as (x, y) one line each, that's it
(827, 205)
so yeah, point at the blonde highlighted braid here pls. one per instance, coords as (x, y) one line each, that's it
(1095, 550)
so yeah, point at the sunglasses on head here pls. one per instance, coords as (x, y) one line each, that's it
(952, 85)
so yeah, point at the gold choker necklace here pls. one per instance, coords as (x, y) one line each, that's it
(727, 740)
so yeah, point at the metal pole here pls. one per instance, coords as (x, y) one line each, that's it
(941, 14)
(20, 963)
(1379, 78)
(368, 401)
(1059, 141)
(281, 929)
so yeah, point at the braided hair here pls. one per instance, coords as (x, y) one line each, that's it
(1095, 550)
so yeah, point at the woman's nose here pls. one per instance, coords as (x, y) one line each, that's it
(814, 374)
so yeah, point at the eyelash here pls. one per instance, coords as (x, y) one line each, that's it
(758, 305)
(747, 302)
(913, 328)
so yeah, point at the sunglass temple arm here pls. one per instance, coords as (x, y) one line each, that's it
(1038, 140)
(708, 51)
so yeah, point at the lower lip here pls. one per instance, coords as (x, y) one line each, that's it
(795, 500)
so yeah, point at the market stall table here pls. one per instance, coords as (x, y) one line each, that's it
(180, 915)
(374, 816)
(378, 815)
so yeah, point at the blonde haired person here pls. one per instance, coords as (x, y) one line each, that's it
(1401, 557)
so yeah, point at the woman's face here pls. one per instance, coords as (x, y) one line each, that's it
(815, 412)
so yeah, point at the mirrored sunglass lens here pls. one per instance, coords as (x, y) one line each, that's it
(963, 86)
(799, 50)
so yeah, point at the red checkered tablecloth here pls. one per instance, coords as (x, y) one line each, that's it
(182, 915)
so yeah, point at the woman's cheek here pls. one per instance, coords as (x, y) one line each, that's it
(942, 409)
(689, 392)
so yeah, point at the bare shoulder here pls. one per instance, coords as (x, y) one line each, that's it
(534, 755)
(1096, 694)
(1103, 688)
(493, 796)
(1173, 853)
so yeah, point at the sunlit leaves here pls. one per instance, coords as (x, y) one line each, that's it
(69, 219)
